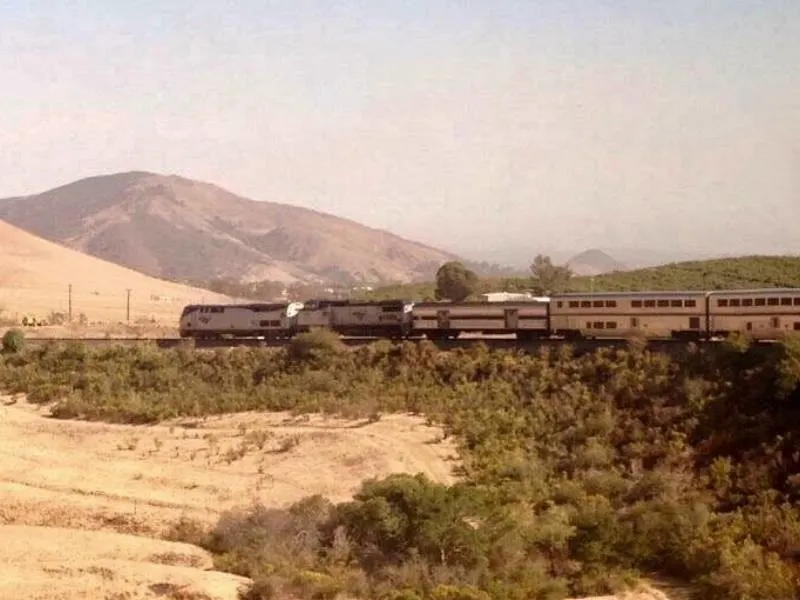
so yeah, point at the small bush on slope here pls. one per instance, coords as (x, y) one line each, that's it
(578, 471)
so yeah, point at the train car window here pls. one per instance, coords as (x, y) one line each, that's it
(588, 324)
(690, 303)
(773, 301)
(786, 301)
(797, 301)
(611, 325)
(747, 302)
(735, 302)
(636, 304)
(574, 304)
(797, 326)
(722, 302)
(663, 303)
(599, 325)
(586, 304)
(649, 303)
(598, 304)
(760, 302)
(613, 303)
(676, 303)
(263, 323)
(275, 323)
(559, 304)
(634, 322)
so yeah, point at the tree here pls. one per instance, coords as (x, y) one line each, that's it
(455, 282)
(547, 277)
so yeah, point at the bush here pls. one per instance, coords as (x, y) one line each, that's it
(318, 346)
(13, 341)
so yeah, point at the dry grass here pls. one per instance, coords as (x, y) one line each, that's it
(65, 486)
(35, 275)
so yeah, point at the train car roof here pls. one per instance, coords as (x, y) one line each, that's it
(250, 305)
(350, 302)
(527, 301)
(757, 291)
(621, 294)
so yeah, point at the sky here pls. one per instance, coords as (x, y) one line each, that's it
(493, 129)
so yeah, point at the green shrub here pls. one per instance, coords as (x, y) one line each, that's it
(317, 346)
(13, 341)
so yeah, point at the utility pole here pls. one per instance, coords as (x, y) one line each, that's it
(128, 306)
(70, 302)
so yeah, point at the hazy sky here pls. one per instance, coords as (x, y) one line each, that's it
(483, 127)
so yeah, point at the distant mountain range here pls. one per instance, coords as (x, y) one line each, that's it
(180, 229)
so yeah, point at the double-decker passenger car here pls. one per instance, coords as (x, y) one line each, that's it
(443, 320)
(760, 313)
(268, 320)
(620, 314)
(382, 318)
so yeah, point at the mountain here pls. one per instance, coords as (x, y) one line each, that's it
(35, 276)
(594, 262)
(177, 228)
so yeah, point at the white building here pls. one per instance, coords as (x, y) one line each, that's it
(511, 297)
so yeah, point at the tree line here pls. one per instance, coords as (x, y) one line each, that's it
(455, 282)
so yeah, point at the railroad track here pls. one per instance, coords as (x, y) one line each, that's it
(491, 342)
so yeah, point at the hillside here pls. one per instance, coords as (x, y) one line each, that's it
(594, 262)
(35, 275)
(177, 228)
(723, 273)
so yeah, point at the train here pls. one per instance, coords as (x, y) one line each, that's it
(761, 314)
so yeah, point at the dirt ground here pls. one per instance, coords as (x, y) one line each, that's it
(82, 504)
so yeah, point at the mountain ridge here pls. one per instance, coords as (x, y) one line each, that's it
(179, 228)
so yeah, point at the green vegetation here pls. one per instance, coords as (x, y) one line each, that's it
(13, 341)
(455, 282)
(578, 472)
(725, 273)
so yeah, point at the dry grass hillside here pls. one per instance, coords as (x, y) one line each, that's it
(35, 275)
(82, 505)
(177, 228)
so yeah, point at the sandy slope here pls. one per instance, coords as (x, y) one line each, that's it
(35, 275)
(102, 479)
